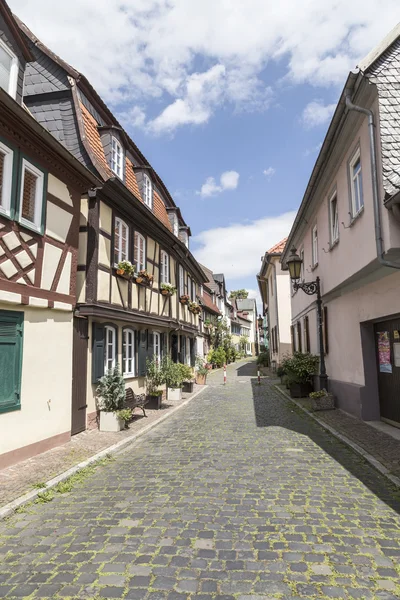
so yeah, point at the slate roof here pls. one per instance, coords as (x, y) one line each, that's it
(245, 304)
(278, 248)
(385, 74)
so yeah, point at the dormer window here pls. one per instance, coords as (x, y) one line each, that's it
(147, 191)
(117, 157)
(8, 70)
(176, 226)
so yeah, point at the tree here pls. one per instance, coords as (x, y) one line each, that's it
(239, 294)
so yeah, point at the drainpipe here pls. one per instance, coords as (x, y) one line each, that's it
(375, 193)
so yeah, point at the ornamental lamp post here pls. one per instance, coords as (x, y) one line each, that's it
(294, 264)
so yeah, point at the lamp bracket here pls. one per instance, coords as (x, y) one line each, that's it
(309, 288)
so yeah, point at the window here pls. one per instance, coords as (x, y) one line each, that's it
(164, 267)
(8, 70)
(194, 291)
(314, 246)
(128, 352)
(333, 218)
(157, 346)
(110, 348)
(117, 157)
(147, 191)
(181, 281)
(121, 241)
(11, 332)
(299, 340)
(357, 197)
(31, 196)
(140, 252)
(6, 171)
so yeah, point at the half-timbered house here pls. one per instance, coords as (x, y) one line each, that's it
(129, 216)
(41, 185)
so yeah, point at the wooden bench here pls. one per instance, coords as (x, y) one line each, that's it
(133, 400)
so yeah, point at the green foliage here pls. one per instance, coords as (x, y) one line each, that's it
(280, 371)
(125, 414)
(154, 375)
(186, 372)
(44, 497)
(321, 394)
(263, 359)
(64, 486)
(39, 486)
(243, 343)
(220, 333)
(231, 353)
(126, 266)
(239, 294)
(217, 357)
(172, 373)
(169, 288)
(201, 366)
(301, 367)
(111, 391)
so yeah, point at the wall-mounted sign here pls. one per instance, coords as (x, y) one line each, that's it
(384, 352)
(396, 354)
(396, 334)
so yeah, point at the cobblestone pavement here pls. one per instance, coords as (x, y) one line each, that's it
(238, 496)
(19, 479)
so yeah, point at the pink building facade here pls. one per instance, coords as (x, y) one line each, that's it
(347, 231)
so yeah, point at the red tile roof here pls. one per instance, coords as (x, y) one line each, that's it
(209, 304)
(278, 248)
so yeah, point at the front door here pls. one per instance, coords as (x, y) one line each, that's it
(79, 375)
(387, 344)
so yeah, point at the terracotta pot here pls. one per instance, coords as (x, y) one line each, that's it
(139, 279)
(201, 379)
(166, 293)
(120, 272)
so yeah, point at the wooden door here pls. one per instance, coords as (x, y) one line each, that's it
(387, 344)
(79, 375)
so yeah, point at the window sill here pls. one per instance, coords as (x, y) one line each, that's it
(32, 227)
(6, 409)
(355, 218)
(129, 376)
(333, 244)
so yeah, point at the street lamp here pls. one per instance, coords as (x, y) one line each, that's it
(294, 264)
(260, 321)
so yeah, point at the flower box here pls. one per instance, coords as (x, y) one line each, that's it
(326, 402)
(123, 274)
(184, 299)
(109, 421)
(300, 390)
(154, 401)
(187, 387)
(174, 393)
(201, 379)
(166, 293)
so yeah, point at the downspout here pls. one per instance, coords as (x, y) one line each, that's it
(375, 193)
(276, 309)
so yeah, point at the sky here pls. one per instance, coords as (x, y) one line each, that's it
(228, 100)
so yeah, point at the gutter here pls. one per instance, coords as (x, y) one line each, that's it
(375, 192)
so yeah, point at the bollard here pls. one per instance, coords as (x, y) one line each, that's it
(258, 375)
(224, 374)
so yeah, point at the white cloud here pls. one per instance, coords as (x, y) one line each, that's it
(269, 173)
(173, 50)
(236, 250)
(317, 113)
(229, 180)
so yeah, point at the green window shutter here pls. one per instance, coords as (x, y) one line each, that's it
(164, 344)
(150, 345)
(192, 352)
(11, 332)
(98, 350)
(174, 348)
(142, 352)
(182, 353)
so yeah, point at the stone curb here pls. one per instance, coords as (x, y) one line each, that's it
(9, 508)
(368, 457)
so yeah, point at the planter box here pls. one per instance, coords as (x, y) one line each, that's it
(300, 390)
(154, 402)
(188, 387)
(201, 379)
(167, 293)
(325, 403)
(110, 422)
(174, 393)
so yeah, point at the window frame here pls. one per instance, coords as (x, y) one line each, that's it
(125, 332)
(314, 245)
(333, 238)
(181, 277)
(38, 224)
(147, 195)
(157, 344)
(120, 258)
(107, 329)
(356, 156)
(122, 154)
(16, 317)
(136, 251)
(8, 180)
(13, 80)
(164, 267)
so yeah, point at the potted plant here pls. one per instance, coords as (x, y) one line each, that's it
(187, 378)
(184, 299)
(125, 269)
(194, 308)
(125, 414)
(300, 369)
(111, 394)
(167, 289)
(154, 378)
(207, 325)
(144, 277)
(201, 372)
(281, 373)
(322, 400)
(172, 375)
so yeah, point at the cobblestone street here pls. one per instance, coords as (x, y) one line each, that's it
(238, 495)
